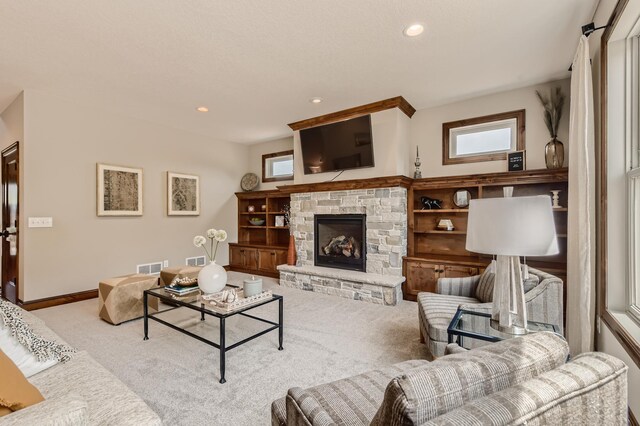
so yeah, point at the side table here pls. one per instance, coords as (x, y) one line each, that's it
(476, 325)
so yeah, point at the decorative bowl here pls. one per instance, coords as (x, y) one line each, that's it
(256, 221)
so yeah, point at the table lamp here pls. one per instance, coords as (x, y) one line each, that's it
(508, 228)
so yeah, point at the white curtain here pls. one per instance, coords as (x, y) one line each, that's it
(580, 301)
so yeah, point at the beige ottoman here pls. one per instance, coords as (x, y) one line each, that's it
(120, 299)
(167, 275)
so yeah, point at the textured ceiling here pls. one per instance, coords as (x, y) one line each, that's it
(256, 63)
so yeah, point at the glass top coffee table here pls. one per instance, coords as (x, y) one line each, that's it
(476, 325)
(193, 304)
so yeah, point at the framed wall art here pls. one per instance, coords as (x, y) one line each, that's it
(119, 190)
(183, 194)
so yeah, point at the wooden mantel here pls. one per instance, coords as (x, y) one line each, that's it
(341, 185)
(346, 114)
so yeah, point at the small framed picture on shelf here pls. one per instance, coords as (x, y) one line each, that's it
(279, 220)
(517, 161)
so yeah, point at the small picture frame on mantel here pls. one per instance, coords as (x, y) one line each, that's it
(517, 161)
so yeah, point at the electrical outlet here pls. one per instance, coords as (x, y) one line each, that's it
(40, 222)
(165, 264)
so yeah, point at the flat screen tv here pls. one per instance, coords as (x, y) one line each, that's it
(337, 146)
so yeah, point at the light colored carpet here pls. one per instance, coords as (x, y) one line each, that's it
(325, 338)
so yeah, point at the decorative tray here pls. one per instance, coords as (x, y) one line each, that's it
(214, 301)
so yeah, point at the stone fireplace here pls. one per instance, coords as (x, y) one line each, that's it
(340, 241)
(383, 213)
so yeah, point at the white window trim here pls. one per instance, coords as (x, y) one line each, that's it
(510, 123)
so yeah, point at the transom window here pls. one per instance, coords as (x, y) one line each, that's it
(277, 166)
(487, 138)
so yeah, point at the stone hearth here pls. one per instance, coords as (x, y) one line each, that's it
(386, 244)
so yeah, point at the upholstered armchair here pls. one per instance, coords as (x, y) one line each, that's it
(543, 297)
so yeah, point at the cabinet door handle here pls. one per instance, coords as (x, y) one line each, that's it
(273, 253)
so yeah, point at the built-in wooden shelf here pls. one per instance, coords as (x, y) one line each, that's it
(434, 253)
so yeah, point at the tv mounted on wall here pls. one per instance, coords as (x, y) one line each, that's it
(337, 146)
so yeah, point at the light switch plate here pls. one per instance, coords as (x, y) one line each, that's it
(165, 264)
(40, 222)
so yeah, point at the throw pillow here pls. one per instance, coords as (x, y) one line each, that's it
(484, 290)
(29, 351)
(16, 392)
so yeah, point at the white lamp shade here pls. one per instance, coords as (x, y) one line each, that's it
(518, 226)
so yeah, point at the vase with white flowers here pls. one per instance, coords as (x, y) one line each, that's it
(212, 278)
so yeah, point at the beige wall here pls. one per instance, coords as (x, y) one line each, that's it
(12, 130)
(64, 142)
(255, 158)
(425, 129)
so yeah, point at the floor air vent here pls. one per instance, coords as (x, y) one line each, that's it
(195, 261)
(150, 268)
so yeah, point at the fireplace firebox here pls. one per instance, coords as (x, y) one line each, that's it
(340, 241)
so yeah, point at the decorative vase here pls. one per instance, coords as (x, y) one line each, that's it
(291, 254)
(212, 278)
(554, 154)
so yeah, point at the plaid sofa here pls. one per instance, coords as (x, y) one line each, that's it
(543, 300)
(516, 381)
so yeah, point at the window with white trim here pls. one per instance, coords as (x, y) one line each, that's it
(633, 166)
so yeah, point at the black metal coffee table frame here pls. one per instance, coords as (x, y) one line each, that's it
(199, 307)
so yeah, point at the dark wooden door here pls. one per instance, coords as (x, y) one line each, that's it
(10, 184)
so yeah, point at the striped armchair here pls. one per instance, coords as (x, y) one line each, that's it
(516, 381)
(543, 298)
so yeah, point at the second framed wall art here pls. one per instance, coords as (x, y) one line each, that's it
(183, 194)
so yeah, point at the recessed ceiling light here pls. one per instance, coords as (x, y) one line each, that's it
(202, 109)
(413, 30)
(315, 100)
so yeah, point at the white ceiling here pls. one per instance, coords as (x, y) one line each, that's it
(256, 63)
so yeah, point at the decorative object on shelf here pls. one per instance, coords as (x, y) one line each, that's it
(251, 209)
(553, 104)
(286, 209)
(430, 203)
(252, 286)
(461, 198)
(292, 256)
(511, 227)
(445, 225)
(417, 174)
(279, 221)
(256, 221)
(183, 194)
(119, 190)
(263, 207)
(213, 277)
(517, 161)
(556, 198)
(249, 182)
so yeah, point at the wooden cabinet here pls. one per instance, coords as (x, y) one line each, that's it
(269, 259)
(423, 275)
(243, 257)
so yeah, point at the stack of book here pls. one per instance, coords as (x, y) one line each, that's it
(179, 290)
